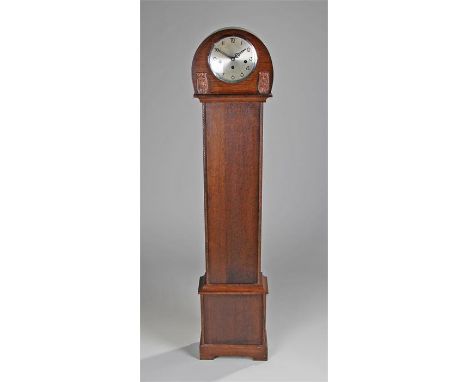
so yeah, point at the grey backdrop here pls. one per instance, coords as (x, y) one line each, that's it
(294, 231)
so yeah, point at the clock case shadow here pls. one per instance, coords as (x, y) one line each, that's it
(183, 364)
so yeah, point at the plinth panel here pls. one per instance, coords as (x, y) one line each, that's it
(232, 139)
(233, 319)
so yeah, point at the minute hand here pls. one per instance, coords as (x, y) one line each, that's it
(224, 54)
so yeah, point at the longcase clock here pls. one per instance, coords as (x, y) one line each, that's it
(232, 75)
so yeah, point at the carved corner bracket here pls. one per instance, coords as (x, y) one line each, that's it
(264, 82)
(202, 83)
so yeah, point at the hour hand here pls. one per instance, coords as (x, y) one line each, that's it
(238, 54)
(224, 54)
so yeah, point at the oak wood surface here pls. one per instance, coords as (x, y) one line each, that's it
(256, 352)
(232, 154)
(205, 98)
(233, 319)
(205, 288)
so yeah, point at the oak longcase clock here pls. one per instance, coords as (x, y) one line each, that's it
(232, 75)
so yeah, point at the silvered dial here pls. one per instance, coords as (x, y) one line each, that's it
(232, 59)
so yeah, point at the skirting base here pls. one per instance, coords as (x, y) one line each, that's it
(256, 352)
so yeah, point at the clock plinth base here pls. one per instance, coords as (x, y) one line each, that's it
(233, 320)
(256, 352)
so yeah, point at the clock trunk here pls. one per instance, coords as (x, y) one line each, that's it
(232, 136)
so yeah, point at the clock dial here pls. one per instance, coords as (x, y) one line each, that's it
(232, 59)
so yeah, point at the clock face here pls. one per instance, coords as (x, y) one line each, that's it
(232, 59)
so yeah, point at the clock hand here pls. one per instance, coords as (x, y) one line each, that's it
(224, 54)
(238, 54)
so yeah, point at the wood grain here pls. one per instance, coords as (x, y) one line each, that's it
(205, 288)
(232, 138)
(233, 319)
(256, 352)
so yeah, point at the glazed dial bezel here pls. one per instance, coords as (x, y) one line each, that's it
(232, 59)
